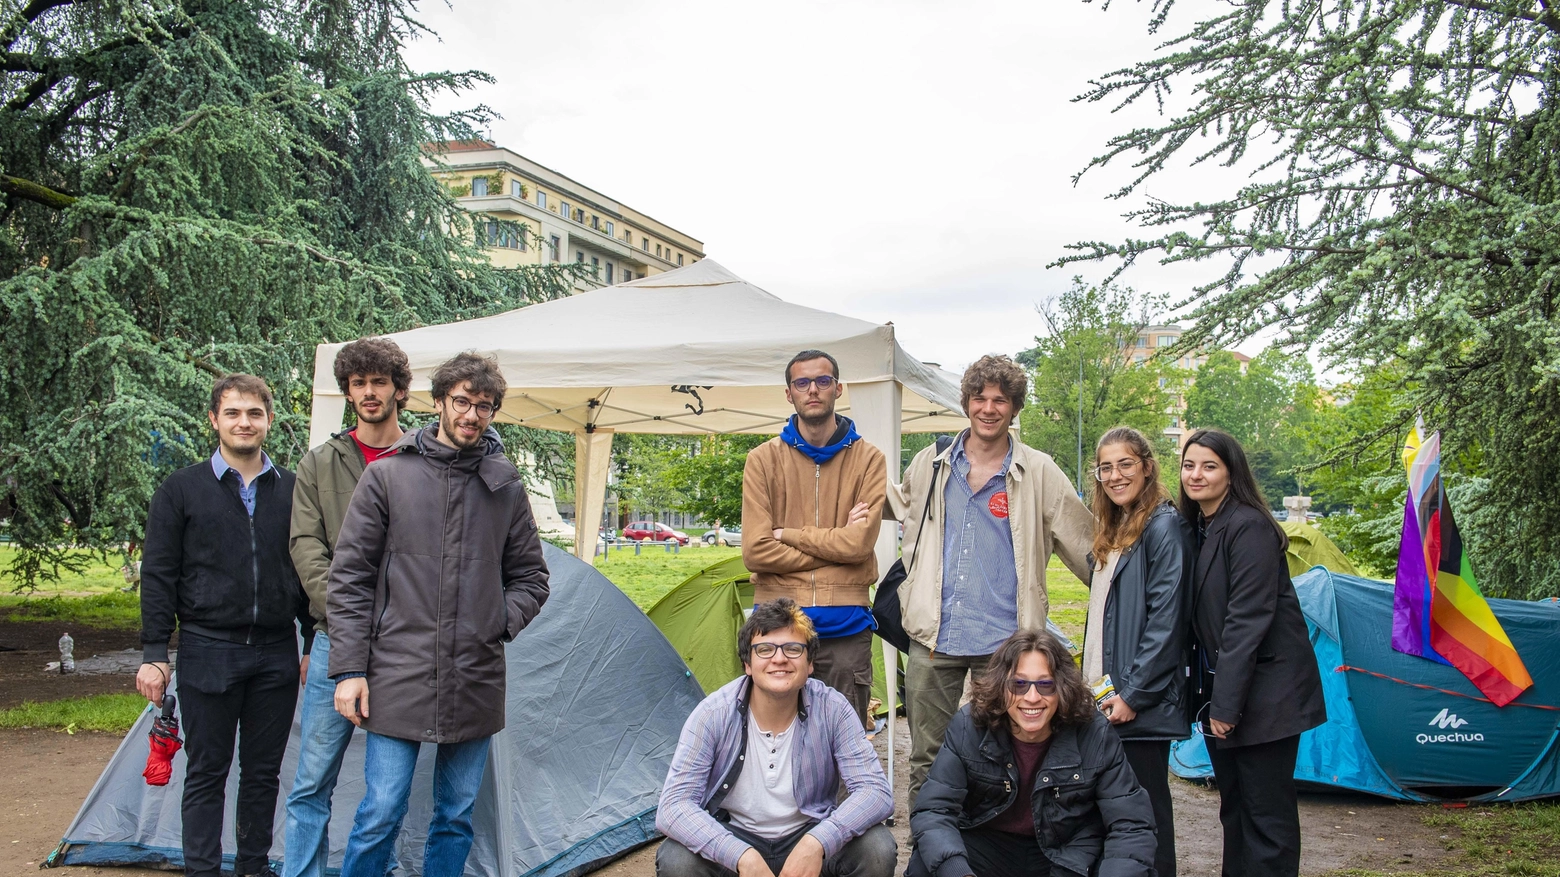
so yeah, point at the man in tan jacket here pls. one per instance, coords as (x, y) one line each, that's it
(812, 506)
(989, 511)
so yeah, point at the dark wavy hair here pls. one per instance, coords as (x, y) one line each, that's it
(999, 370)
(374, 356)
(989, 700)
(1243, 484)
(481, 372)
(772, 616)
(1115, 527)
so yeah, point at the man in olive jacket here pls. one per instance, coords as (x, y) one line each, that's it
(439, 565)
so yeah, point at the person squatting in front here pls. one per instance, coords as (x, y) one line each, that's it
(1031, 781)
(439, 565)
(754, 785)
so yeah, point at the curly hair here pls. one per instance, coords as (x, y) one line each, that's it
(776, 615)
(995, 369)
(481, 372)
(1115, 527)
(989, 698)
(242, 384)
(375, 356)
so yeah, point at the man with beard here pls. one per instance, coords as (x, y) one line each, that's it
(439, 564)
(812, 506)
(375, 376)
(215, 562)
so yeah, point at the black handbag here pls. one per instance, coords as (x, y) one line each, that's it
(886, 611)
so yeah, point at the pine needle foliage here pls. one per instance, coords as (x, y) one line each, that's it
(1404, 162)
(195, 187)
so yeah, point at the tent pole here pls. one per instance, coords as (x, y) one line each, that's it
(877, 407)
(592, 458)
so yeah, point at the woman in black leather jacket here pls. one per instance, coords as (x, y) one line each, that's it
(1031, 780)
(1139, 604)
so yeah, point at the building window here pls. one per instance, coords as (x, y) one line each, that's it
(541, 199)
(1139, 359)
(679, 258)
(595, 222)
(557, 246)
(565, 209)
(579, 256)
(595, 266)
(610, 232)
(514, 189)
(658, 251)
(609, 273)
(628, 236)
(1166, 340)
(1142, 341)
(645, 242)
(479, 187)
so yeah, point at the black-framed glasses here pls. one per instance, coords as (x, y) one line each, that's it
(1019, 687)
(461, 405)
(767, 650)
(822, 382)
(1125, 468)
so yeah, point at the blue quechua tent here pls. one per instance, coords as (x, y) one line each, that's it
(596, 700)
(1404, 727)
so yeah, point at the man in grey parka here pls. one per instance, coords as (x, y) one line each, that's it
(438, 565)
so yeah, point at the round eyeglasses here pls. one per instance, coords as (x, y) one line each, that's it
(822, 382)
(1125, 468)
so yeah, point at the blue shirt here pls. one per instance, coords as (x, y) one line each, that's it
(246, 492)
(836, 621)
(980, 573)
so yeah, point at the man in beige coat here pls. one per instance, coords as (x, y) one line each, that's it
(812, 506)
(989, 512)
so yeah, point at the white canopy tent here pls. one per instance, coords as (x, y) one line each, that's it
(693, 351)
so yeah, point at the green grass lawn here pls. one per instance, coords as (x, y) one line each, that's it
(102, 712)
(95, 598)
(648, 576)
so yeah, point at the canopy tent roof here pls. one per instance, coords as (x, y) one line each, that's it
(692, 351)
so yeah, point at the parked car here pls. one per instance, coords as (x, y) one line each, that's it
(730, 535)
(607, 535)
(651, 531)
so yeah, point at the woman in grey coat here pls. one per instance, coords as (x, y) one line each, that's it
(1138, 617)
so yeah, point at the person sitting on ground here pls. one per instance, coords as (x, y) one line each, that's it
(754, 785)
(1031, 780)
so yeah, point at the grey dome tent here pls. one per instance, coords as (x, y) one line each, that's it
(596, 700)
(1411, 729)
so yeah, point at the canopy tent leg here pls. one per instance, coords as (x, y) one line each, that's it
(325, 417)
(877, 407)
(592, 457)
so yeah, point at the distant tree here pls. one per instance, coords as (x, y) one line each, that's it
(1091, 334)
(644, 463)
(1404, 166)
(190, 189)
(711, 478)
(1266, 407)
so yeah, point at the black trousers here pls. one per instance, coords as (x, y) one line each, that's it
(1258, 807)
(232, 692)
(997, 854)
(874, 854)
(1150, 760)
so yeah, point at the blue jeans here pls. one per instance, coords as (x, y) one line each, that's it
(324, 734)
(388, 767)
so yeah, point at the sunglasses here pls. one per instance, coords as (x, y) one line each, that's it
(767, 650)
(1019, 687)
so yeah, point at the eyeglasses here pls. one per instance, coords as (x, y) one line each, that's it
(1019, 687)
(822, 382)
(461, 405)
(767, 650)
(1107, 471)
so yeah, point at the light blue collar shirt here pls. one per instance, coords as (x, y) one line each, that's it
(246, 492)
(980, 573)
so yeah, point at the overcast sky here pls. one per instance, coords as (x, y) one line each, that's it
(895, 161)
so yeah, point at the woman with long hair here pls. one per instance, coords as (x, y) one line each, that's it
(1030, 780)
(1138, 603)
(1258, 687)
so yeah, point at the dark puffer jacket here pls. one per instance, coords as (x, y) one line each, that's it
(1089, 811)
(438, 565)
(1146, 619)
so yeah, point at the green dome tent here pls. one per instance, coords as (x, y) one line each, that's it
(1310, 547)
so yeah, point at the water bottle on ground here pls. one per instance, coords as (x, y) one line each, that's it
(67, 660)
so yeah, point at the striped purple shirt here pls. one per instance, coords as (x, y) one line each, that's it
(830, 748)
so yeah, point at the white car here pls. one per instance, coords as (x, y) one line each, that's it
(730, 535)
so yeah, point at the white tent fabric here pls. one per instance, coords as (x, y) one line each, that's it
(693, 351)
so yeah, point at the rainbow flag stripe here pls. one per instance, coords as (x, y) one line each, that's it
(1437, 610)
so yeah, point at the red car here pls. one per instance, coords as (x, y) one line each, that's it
(650, 531)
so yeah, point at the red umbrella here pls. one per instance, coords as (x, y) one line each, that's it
(165, 743)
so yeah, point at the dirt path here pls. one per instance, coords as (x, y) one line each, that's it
(48, 774)
(26, 647)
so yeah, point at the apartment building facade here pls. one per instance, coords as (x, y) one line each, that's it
(531, 215)
(1152, 339)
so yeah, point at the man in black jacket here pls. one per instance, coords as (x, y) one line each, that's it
(215, 563)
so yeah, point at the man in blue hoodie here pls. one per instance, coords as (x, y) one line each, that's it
(812, 506)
